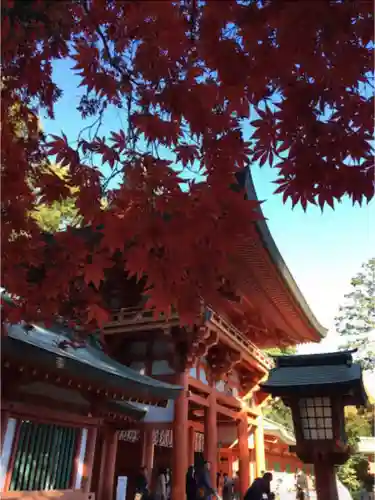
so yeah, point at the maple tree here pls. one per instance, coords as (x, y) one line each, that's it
(298, 72)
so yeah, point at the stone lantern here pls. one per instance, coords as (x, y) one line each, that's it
(317, 387)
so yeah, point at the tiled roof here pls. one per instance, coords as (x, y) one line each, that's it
(274, 429)
(312, 375)
(90, 363)
(245, 179)
(306, 373)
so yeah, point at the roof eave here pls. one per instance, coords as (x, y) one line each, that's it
(127, 409)
(358, 398)
(280, 430)
(140, 389)
(245, 179)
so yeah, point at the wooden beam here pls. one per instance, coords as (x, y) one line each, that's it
(136, 336)
(37, 400)
(198, 426)
(227, 423)
(73, 381)
(247, 358)
(252, 421)
(199, 400)
(124, 328)
(228, 413)
(228, 400)
(200, 386)
(256, 386)
(46, 415)
(234, 338)
(154, 425)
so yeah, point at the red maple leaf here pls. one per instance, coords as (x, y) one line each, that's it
(187, 153)
(119, 141)
(93, 274)
(182, 92)
(94, 271)
(97, 315)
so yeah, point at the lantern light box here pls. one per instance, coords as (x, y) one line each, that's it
(317, 387)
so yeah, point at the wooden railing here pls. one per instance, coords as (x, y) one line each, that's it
(241, 340)
(135, 319)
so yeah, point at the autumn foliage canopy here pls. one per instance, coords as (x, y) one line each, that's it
(187, 76)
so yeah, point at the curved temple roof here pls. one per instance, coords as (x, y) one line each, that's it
(275, 429)
(245, 179)
(44, 347)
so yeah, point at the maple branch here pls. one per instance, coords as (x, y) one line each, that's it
(126, 75)
(116, 171)
(98, 121)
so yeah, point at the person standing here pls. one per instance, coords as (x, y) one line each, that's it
(261, 488)
(205, 491)
(141, 485)
(191, 484)
(302, 486)
(227, 487)
(236, 487)
(161, 486)
(168, 478)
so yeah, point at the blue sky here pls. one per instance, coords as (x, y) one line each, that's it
(323, 251)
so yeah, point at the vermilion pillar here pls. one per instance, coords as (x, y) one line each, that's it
(210, 436)
(148, 451)
(108, 464)
(191, 443)
(89, 459)
(243, 454)
(260, 455)
(230, 465)
(4, 424)
(180, 440)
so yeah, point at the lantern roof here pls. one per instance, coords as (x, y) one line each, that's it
(317, 374)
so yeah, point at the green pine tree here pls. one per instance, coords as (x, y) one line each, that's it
(354, 473)
(356, 319)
